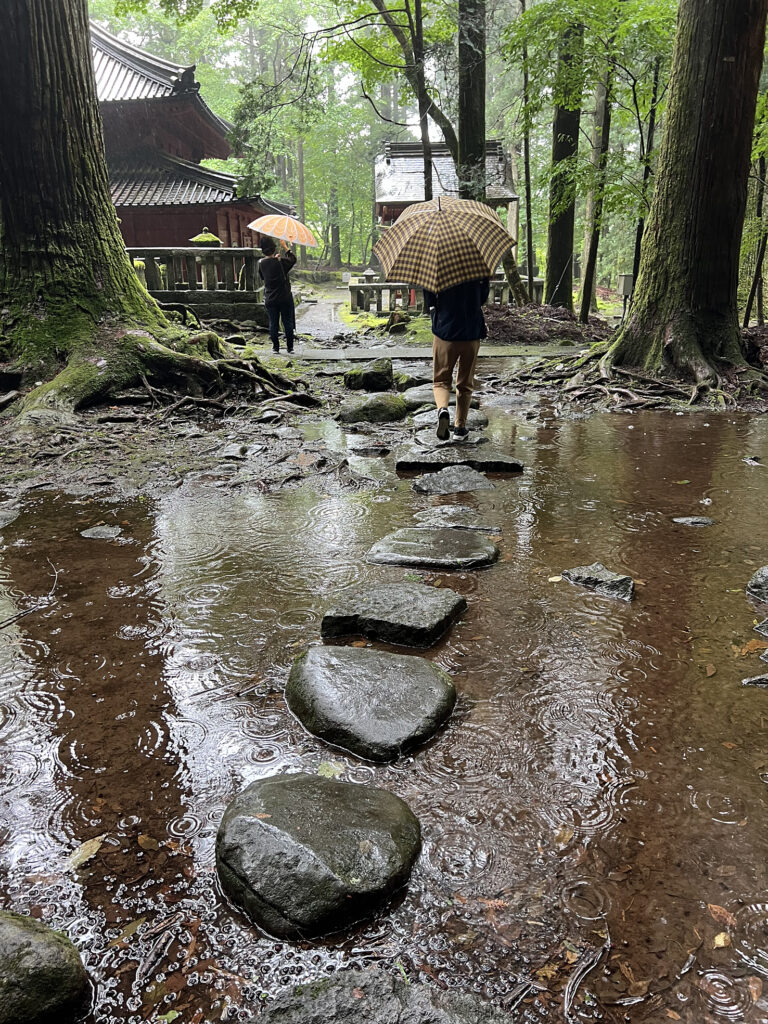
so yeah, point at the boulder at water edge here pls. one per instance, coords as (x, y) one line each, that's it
(375, 376)
(434, 549)
(42, 978)
(757, 588)
(305, 855)
(374, 704)
(375, 997)
(376, 409)
(596, 577)
(410, 614)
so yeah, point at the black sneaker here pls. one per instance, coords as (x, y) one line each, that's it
(460, 433)
(275, 348)
(443, 424)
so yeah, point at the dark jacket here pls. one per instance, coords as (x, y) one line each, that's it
(274, 270)
(457, 313)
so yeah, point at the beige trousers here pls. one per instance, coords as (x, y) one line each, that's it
(445, 356)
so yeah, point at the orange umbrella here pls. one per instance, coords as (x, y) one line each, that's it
(279, 225)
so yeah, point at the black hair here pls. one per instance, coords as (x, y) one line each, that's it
(268, 245)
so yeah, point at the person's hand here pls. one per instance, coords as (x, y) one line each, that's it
(283, 243)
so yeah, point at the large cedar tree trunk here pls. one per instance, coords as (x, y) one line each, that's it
(684, 316)
(562, 192)
(471, 164)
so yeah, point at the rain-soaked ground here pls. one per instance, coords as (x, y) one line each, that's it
(594, 815)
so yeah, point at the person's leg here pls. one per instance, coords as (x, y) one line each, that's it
(465, 381)
(273, 312)
(289, 323)
(442, 370)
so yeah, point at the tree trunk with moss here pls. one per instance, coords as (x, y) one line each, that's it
(70, 300)
(684, 315)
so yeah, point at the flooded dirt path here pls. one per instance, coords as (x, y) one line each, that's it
(593, 815)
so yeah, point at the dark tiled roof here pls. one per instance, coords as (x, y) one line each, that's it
(400, 173)
(151, 178)
(124, 72)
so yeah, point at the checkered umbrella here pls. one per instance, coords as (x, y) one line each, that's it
(443, 242)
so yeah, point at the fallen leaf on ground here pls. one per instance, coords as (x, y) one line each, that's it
(711, 669)
(330, 769)
(564, 835)
(673, 1016)
(358, 643)
(262, 817)
(547, 972)
(555, 579)
(721, 915)
(722, 939)
(730, 746)
(85, 851)
(148, 843)
(755, 986)
(127, 932)
(358, 993)
(753, 646)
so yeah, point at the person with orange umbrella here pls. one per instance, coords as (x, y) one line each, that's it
(278, 298)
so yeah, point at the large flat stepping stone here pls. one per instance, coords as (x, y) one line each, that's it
(376, 997)
(42, 977)
(596, 577)
(374, 704)
(414, 398)
(455, 517)
(414, 458)
(452, 480)
(757, 588)
(410, 614)
(476, 420)
(434, 549)
(305, 855)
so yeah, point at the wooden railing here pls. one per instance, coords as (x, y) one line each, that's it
(195, 269)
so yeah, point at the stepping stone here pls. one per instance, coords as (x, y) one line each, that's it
(596, 577)
(375, 376)
(374, 704)
(755, 681)
(8, 513)
(757, 588)
(434, 549)
(452, 480)
(414, 398)
(693, 521)
(42, 977)
(475, 420)
(305, 855)
(404, 380)
(762, 627)
(414, 458)
(376, 409)
(102, 533)
(376, 997)
(456, 517)
(410, 614)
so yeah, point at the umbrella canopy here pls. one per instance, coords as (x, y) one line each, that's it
(443, 242)
(281, 226)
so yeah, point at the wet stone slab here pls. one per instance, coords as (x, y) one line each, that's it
(410, 614)
(374, 704)
(452, 480)
(483, 458)
(434, 549)
(305, 856)
(693, 521)
(456, 517)
(376, 997)
(476, 420)
(757, 588)
(596, 577)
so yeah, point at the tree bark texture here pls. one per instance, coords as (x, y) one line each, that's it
(63, 264)
(684, 316)
(530, 255)
(562, 192)
(471, 163)
(594, 215)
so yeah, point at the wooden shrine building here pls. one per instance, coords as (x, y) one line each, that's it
(157, 129)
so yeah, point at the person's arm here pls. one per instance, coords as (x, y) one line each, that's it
(485, 290)
(430, 299)
(288, 261)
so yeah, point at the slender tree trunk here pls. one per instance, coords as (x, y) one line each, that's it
(422, 96)
(518, 289)
(333, 220)
(685, 314)
(302, 200)
(646, 154)
(594, 224)
(562, 193)
(597, 161)
(530, 255)
(471, 164)
(757, 279)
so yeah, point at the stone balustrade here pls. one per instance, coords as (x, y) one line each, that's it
(192, 269)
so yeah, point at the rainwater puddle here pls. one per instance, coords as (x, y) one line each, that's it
(596, 785)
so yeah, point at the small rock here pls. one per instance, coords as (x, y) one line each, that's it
(596, 577)
(102, 533)
(455, 517)
(375, 376)
(434, 549)
(305, 855)
(757, 588)
(693, 521)
(414, 398)
(416, 458)
(452, 480)
(404, 381)
(755, 681)
(376, 997)
(410, 614)
(234, 451)
(375, 704)
(376, 409)
(42, 978)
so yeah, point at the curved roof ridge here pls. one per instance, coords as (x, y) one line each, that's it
(124, 71)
